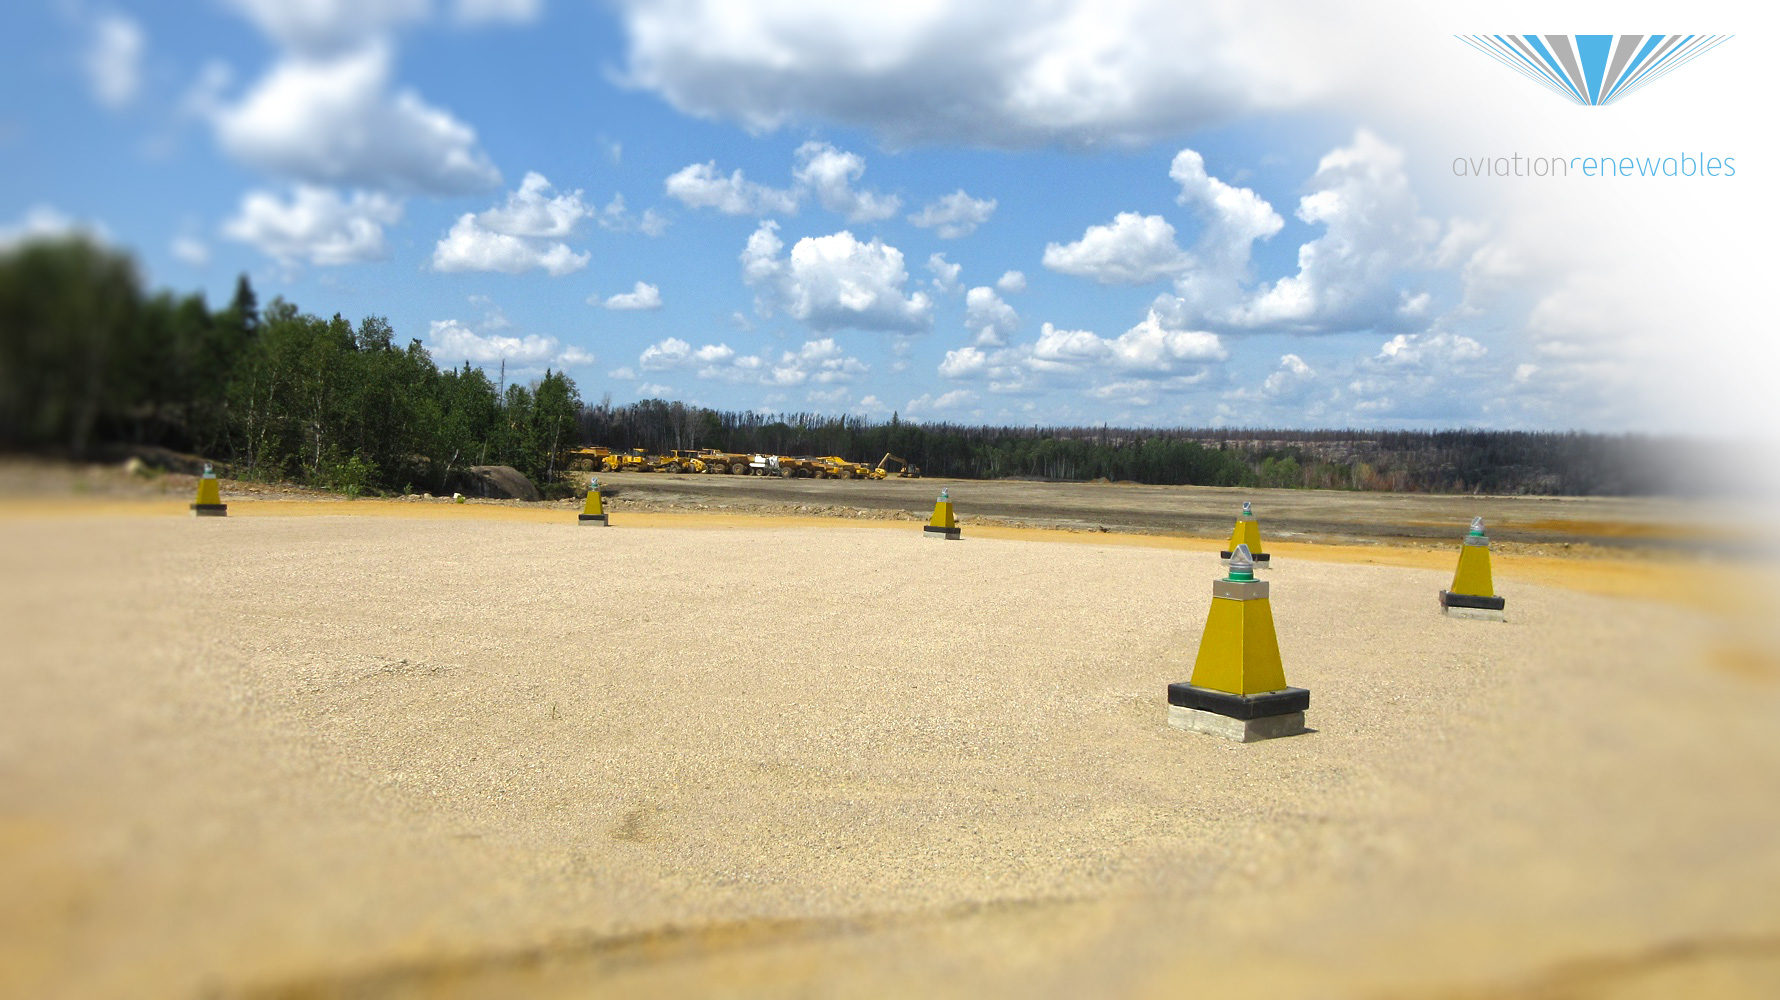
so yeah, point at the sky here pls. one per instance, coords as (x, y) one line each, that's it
(1137, 212)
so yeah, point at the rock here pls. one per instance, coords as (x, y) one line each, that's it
(498, 482)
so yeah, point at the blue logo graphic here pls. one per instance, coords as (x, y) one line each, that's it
(1594, 69)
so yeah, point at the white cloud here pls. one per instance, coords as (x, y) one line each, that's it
(1290, 378)
(1373, 230)
(830, 173)
(954, 215)
(1444, 349)
(701, 186)
(819, 361)
(1134, 250)
(331, 119)
(1006, 74)
(450, 342)
(533, 211)
(1011, 282)
(928, 403)
(945, 274)
(190, 250)
(833, 282)
(1150, 349)
(1233, 219)
(325, 26)
(990, 318)
(518, 235)
(618, 219)
(316, 225)
(43, 222)
(497, 11)
(113, 59)
(642, 296)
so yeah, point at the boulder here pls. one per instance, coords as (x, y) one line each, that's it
(497, 482)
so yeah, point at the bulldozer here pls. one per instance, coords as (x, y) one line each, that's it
(903, 469)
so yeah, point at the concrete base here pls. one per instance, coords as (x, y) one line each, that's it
(948, 534)
(210, 510)
(1476, 614)
(1241, 730)
(593, 520)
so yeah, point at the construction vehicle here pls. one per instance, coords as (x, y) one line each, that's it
(588, 459)
(682, 460)
(634, 460)
(903, 469)
(724, 462)
(836, 467)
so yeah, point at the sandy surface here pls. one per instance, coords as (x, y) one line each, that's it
(482, 755)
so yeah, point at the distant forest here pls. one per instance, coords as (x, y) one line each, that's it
(90, 362)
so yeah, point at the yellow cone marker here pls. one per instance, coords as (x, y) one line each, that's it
(943, 524)
(594, 514)
(1247, 532)
(1473, 593)
(209, 503)
(1238, 690)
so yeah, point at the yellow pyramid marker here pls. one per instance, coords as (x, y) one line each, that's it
(943, 524)
(1473, 593)
(594, 514)
(209, 503)
(1238, 690)
(1247, 532)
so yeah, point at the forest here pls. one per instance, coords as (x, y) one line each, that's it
(91, 362)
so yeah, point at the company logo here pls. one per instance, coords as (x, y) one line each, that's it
(1594, 69)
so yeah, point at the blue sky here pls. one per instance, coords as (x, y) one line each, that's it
(1050, 212)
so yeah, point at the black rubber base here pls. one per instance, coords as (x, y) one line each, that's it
(1261, 558)
(1452, 600)
(592, 517)
(210, 509)
(948, 532)
(1238, 706)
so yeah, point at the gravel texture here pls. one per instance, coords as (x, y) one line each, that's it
(455, 756)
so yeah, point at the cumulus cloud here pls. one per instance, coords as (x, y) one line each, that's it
(618, 219)
(642, 296)
(317, 225)
(1445, 349)
(325, 26)
(817, 361)
(1070, 72)
(833, 282)
(1167, 359)
(1290, 378)
(1233, 219)
(113, 59)
(1134, 250)
(701, 186)
(1011, 282)
(954, 215)
(331, 118)
(945, 274)
(521, 234)
(829, 174)
(1373, 231)
(533, 210)
(989, 317)
(929, 403)
(450, 342)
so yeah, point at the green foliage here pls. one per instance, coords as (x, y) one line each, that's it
(279, 394)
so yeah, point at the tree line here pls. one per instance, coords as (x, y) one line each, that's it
(90, 361)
